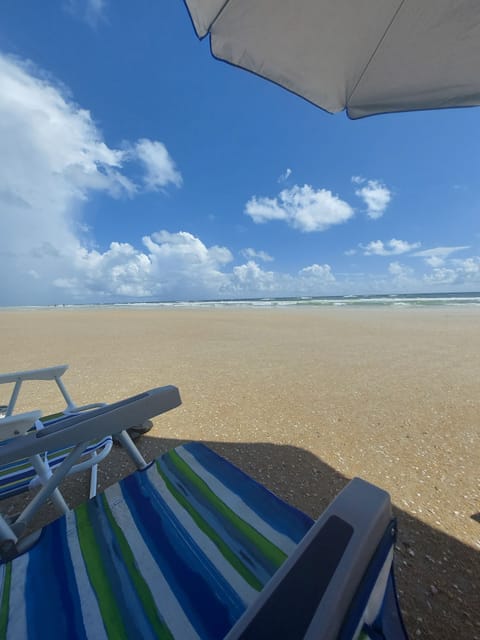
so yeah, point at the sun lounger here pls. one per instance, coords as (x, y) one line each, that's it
(191, 547)
(63, 446)
(30, 473)
(21, 476)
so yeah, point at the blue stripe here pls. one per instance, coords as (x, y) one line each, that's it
(51, 578)
(235, 539)
(209, 602)
(135, 622)
(19, 480)
(284, 518)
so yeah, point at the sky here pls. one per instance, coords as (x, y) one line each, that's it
(135, 167)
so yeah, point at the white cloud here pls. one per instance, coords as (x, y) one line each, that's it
(174, 265)
(160, 169)
(52, 158)
(391, 248)
(375, 194)
(250, 280)
(319, 272)
(350, 252)
(180, 266)
(285, 175)
(260, 255)
(459, 273)
(436, 257)
(303, 208)
(399, 270)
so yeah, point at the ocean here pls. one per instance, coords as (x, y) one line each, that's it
(390, 300)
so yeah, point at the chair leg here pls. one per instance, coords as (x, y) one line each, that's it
(45, 473)
(93, 478)
(48, 489)
(7, 536)
(128, 444)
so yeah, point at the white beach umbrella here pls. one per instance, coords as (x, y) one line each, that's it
(365, 56)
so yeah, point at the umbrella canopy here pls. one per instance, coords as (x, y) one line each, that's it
(365, 56)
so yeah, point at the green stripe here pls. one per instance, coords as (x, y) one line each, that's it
(209, 531)
(52, 416)
(11, 469)
(141, 587)
(5, 603)
(111, 613)
(271, 552)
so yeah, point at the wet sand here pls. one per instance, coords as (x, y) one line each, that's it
(303, 400)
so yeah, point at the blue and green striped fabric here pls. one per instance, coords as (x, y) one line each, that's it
(19, 476)
(178, 550)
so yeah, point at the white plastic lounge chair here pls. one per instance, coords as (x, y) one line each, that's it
(27, 474)
(191, 547)
(21, 476)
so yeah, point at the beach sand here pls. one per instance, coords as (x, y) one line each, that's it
(303, 399)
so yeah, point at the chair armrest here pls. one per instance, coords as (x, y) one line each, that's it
(48, 373)
(95, 424)
(310, 594)
(18, 425)
(87, 407)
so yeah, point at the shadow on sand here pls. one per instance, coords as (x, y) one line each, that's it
(437, 576)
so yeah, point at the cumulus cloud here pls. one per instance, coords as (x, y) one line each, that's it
(260, 255)
(179, 266)
(375, 195)
(318, 272)
(303, 208)
(52, 158)
(436, 257)
(250, 280)
(174, 265)
(391, 248)
(459, 273)
(160, 169)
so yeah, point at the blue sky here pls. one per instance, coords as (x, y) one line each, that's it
(134, 166)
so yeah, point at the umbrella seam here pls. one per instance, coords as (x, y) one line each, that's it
(219, 12)
(380, 42)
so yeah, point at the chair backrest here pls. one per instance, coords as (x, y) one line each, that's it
(311, 595)
(17, 378)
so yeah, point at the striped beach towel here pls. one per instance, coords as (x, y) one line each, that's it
(178, 550)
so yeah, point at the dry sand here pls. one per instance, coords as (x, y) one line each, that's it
(303, 400)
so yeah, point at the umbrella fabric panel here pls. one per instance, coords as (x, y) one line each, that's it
(428, 60)
(366, 56)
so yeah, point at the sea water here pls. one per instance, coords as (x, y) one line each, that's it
(385, 300)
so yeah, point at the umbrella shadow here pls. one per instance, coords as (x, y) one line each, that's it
(437, 575)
